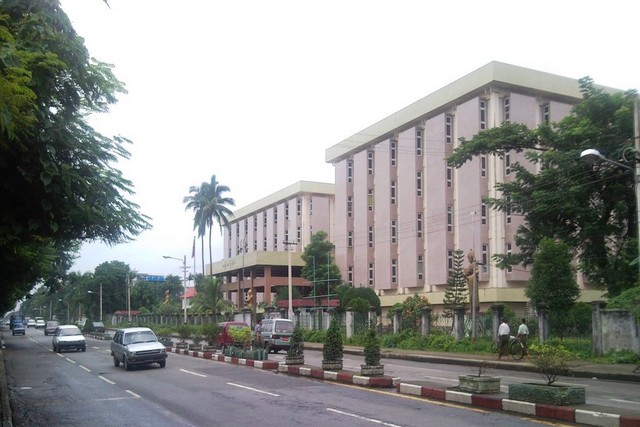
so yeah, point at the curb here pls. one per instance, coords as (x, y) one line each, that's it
(5, 406)
(560, 413)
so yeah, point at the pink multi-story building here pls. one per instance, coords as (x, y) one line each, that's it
(260, 235)
(401, 211)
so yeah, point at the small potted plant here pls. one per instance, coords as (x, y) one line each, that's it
(372, 366)
(295, 354)
(210, 332)
(332, 349)
(196, 339)
(164, 336)
(184, 332)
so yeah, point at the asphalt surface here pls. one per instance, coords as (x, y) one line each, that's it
(617, 372)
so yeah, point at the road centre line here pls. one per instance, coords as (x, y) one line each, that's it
(137, 396)
(85, 368)
(254, 389)
(106, 380)
(70, 360)
(360, 417)
(623, 401)
(193, 373)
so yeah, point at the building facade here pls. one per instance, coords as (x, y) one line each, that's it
(401, 211)
(260, 236)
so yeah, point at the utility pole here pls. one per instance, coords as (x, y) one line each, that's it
(287, 244)
(474, 265)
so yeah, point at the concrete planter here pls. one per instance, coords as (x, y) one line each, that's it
(332, 365)
(558, 395)
(476, 384)
(295, 360)
(372, 370)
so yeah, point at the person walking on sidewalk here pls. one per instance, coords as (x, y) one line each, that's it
(523, 334)
(503, 337)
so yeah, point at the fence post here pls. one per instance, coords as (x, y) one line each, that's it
(349, 321)
(397, 320)
(596, 327)
(498, 312)
(426, 321)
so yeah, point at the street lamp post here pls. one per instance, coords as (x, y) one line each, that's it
(592, 155)
(91, 292)
(184, 282)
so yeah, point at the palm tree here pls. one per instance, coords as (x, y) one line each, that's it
(209, 204)
(209, 297)
(195, 202)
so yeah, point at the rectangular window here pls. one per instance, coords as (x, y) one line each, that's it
(370, 162)
(286, 211)
(449, 176)
(370, 274)
(349, 170)
(370, 237)
(448, 128)
(393, 192)
(370, 199)
(264, 219)
(255, 245)
(350, 239)
(275, 243)
(483, 166)
(286, 235)
(264, 244)
(545, 114)
(508, 251)
(237, 228)
(507, 211)
(311, 206)
(485, 258)
(350, 275)
(255, 223)
(298, 234)
(449, 260)
(394, 271)
(419, 142)
(275, 215)
(507, 163)
(349, 206)
(483, 215)
(483, 113)
(419, 225)
(449, 218)
(393, 153)
(418, 183)
(394, 231)
(506, 108)
(420, 267)
(298, 207)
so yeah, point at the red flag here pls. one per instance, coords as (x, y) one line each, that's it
(193, 251)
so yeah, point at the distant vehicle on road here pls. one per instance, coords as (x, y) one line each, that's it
(40, 323)
(224, 338)
(68, 337)
(17, 327)
(31, 323)
(50, 327)
(276, 334)
(98, 326)
(137, 346)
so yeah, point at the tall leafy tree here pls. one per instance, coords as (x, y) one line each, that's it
(195, 202)
(590, 208)
(319, 265)
(553, 281)
(210, 205)
(57, 181)
(456, 292)
(210, 297)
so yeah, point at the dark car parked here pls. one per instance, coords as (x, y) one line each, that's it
(50, 327)
(98, 327)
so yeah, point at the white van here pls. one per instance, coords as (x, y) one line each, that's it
(276, 334)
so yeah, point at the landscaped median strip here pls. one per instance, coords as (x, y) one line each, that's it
(562, 413)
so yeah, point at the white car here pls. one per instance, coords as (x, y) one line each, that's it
(67, 337)
(31, 323)
(40, 323)
(137, 346)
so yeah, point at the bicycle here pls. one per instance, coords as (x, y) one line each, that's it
(516, 349)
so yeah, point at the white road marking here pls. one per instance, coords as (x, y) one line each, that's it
(254, 389)
(137, 396)
(193, 373)
(25, 388)
(360, 417)
(70, 360)
(623, 401)
(85, 368)
(106, 380)
(96, 348)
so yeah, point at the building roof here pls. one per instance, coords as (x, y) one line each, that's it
(191, 292)
(256, 258)
(494, 74)
(300, 187)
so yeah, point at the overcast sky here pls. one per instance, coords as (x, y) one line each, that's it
(255, 91)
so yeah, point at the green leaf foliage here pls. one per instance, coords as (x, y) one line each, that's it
(628, 300)
(371, 348)
(551, 361)
(296, 345)
(332, 349)
(58, 183)
(589, 207)
(456, 292)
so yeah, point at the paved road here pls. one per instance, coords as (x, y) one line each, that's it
(85, 389)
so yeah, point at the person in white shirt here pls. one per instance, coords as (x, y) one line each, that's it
(503, 336)
(523, 334)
